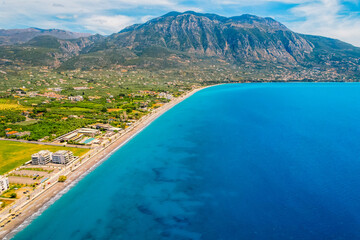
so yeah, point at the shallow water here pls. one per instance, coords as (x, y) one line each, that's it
(245, 161)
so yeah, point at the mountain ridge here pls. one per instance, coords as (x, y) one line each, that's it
(179, 40)
(19, 36)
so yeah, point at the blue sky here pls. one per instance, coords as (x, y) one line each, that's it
(332, 18)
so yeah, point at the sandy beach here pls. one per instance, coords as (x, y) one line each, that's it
(36, 206)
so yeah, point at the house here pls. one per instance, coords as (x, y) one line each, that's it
(62, 157)
(76, 98)
(93, 97)
(57, 89)
(107, 127)
(4, 183)
(22, 134)
(69, 136)
(25, 113)
(52, 95)
(11, 133)
(101, 126)
(89, 132)
(41, 158)
(165, 95)
(80, 88)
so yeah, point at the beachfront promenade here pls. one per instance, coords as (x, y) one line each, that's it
(76, 169)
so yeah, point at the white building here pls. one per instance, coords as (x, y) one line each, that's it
(41, 158)
(62, 157)
(165, 95)
(4, 184)
(76, 98)
(89, 132)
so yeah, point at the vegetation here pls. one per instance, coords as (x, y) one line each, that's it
(62, 178)
(7, 104)
(109, 96)
(5, 203)
(14, 154)
(25, 175)
(11, 192)
(38, 170)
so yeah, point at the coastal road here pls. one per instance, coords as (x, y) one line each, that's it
(45, 143)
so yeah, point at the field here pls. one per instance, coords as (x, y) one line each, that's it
(6, 104)
(14, 154)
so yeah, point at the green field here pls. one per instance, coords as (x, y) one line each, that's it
(14, 154)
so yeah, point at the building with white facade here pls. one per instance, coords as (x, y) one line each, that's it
(62, 157)
(76, 98)
(165, 95)
(4, 184)
(41, 158)
(89, 132)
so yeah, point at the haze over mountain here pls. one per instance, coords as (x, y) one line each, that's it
(14, 36)
(181, 39)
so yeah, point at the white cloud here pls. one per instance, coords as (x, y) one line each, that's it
(253, 2)
(324, 18)
(107, 24)
(100, 16)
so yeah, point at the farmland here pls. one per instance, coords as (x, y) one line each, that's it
(6, 104)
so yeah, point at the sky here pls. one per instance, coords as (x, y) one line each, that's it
(331, 18)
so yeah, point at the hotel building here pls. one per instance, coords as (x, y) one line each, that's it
(62, 157)
(4, 184)
(41, 158)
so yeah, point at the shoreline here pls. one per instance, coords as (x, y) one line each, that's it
(38, 205)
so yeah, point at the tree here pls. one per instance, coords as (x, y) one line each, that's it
(62, 178)
(13, 195)
(104, 109)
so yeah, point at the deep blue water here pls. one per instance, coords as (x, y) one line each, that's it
(246, 161)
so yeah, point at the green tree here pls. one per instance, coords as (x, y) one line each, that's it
(13, 195)
(62, 178)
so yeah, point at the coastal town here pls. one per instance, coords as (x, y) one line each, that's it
(29, 183)
(57, 125)
(179, 120)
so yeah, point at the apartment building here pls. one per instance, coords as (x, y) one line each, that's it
(4, 183)
(41, 158)
(62, 157)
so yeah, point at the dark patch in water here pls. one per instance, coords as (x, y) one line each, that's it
(144, 210)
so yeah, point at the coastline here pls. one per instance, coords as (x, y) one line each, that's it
(36, 206)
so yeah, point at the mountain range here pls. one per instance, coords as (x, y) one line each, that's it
(15, 36)
(182, 39)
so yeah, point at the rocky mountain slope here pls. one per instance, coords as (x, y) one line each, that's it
(245, 39)
(241, 39)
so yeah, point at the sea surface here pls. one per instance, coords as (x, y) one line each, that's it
(240, 161)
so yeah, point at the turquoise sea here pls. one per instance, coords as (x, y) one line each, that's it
(241, 161)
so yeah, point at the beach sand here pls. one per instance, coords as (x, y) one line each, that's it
(40, 203)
